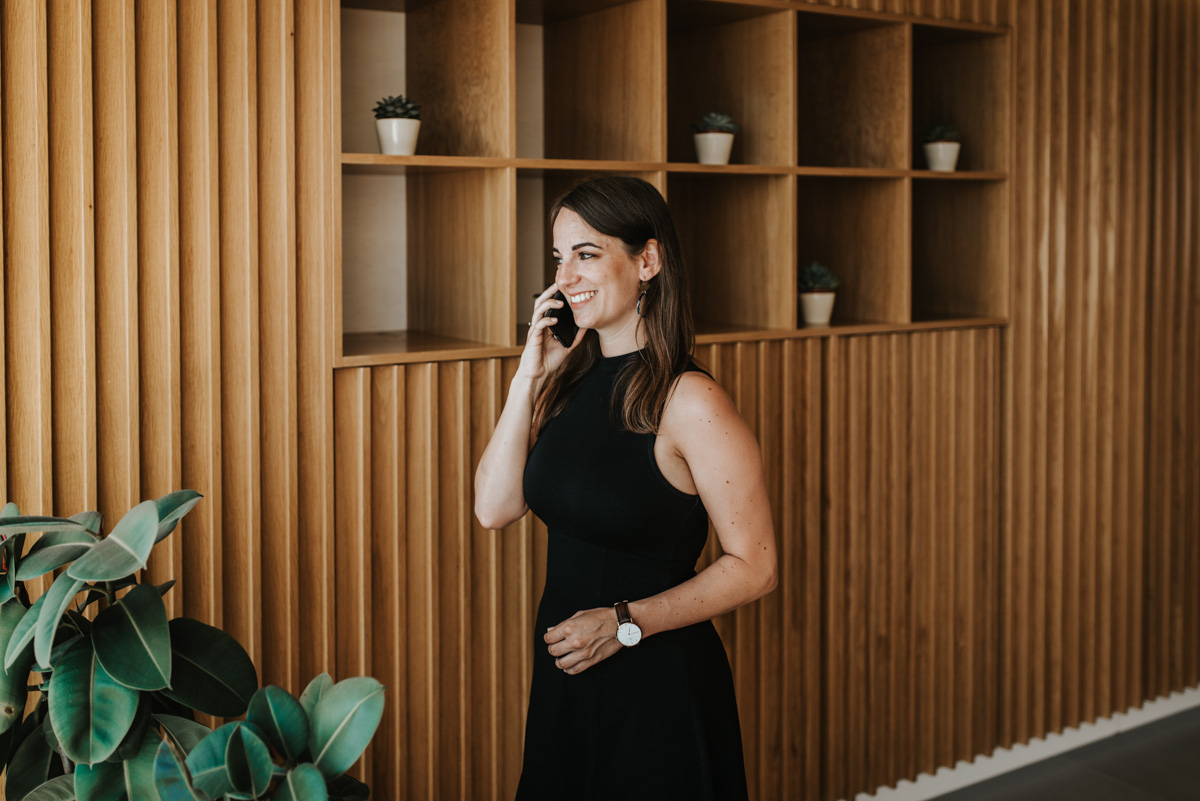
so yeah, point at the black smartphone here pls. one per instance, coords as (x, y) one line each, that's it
(565, 329)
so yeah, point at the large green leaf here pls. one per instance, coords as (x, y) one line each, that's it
(122, 552)
(206, 762)
(30, 766)
(52, 557)
(210, 671)
(171, 779)
(60, 788)
(313, 692)
(13, 683)
(132, 779)
(23, 635)
(187, 734)
(90, 521)
(90, 710)
(132, 744)
(343, 723)
(9, 510)
(280, 716)
(248, 762)
(171, 509)
(303, 783)
(133, 640)
(25, 524)
(58, 598)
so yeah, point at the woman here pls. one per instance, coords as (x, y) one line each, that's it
(624, 449)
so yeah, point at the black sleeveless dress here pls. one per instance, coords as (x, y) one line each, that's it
(655, 721)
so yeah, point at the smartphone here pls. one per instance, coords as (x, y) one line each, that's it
(565, 329)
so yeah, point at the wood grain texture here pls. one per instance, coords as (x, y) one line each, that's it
(459, 61)
(72, 258)
(605, 94)
(241, 428)
(276, 146)
(159, 380)
(200, 309)
(117, 361)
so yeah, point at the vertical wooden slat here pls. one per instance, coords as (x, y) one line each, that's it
(27, 258)
(277, 324)
(241, 462)
(158, 271)
(389, 572)
(199, 308)
(317, 177)
(72, 259)
(114, 104)
(423, 611)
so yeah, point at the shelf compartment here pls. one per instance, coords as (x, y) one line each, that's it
(739, 247)
(603, 79)
(858, 228)
(738, 60)
(853, 91)
(417, 48)
(961, 77)
(426, 254)
(960, 249)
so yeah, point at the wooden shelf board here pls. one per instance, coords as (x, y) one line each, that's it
(401, 347)
(960, 175)
(851, 172)
(585, 165)
(399, 165)
(728, 169)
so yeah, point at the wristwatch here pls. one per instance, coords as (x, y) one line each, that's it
(628, 632)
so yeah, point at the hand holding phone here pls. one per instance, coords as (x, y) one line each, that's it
(565, 329)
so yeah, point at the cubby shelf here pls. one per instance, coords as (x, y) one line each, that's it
(439, 253)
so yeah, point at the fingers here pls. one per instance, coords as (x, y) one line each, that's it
(578, 661)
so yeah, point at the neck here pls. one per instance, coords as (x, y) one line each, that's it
(630, 336)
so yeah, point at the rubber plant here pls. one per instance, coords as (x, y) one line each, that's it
(114, 710)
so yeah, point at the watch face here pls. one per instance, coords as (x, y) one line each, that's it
(629, 634)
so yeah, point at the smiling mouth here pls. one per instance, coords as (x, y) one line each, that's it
(581, 297)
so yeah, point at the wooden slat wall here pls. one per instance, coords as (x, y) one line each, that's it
(1172, 496)
(986, 535)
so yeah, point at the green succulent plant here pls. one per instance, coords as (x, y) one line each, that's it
(398, 107)
(114, 713)
(817, 277)
(941, 132)
(712, 122)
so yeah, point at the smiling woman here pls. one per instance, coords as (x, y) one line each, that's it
(625, 448)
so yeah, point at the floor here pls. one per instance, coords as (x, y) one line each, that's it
(1156, 762)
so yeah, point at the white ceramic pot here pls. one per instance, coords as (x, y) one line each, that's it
(713, 147)
(942, 156)
(816, 307)
(397, 137)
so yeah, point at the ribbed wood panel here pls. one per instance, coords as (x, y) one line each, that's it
(1172, 495)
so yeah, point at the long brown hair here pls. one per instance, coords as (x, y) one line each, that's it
(631, 210)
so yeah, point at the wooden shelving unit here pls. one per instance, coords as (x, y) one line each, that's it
(828, 165)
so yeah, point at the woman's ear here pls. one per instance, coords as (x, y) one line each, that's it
(651, 261)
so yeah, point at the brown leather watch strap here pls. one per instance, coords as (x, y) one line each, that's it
(623, 616)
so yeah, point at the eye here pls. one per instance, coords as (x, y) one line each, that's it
(583, 254)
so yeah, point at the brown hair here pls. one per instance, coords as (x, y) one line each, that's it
(632, 211)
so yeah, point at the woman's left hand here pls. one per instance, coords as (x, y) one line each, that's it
(584, 639)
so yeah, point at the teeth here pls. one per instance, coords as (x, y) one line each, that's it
(582, 296)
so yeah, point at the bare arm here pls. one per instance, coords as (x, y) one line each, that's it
(499, 488)
(724, 462)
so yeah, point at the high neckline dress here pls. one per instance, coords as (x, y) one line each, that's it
(655, 721)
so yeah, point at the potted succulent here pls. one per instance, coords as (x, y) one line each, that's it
(397, 121)
(817, 284)
(113, 713)
(714, 137)
(942, 145)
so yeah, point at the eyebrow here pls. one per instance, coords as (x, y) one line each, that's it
(582, 245)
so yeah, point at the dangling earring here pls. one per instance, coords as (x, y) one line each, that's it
(644, 286)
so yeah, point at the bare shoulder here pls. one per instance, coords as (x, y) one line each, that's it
(698, 405)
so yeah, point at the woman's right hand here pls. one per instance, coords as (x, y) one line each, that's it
(543, 353)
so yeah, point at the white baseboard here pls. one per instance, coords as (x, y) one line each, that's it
(1003, 760)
